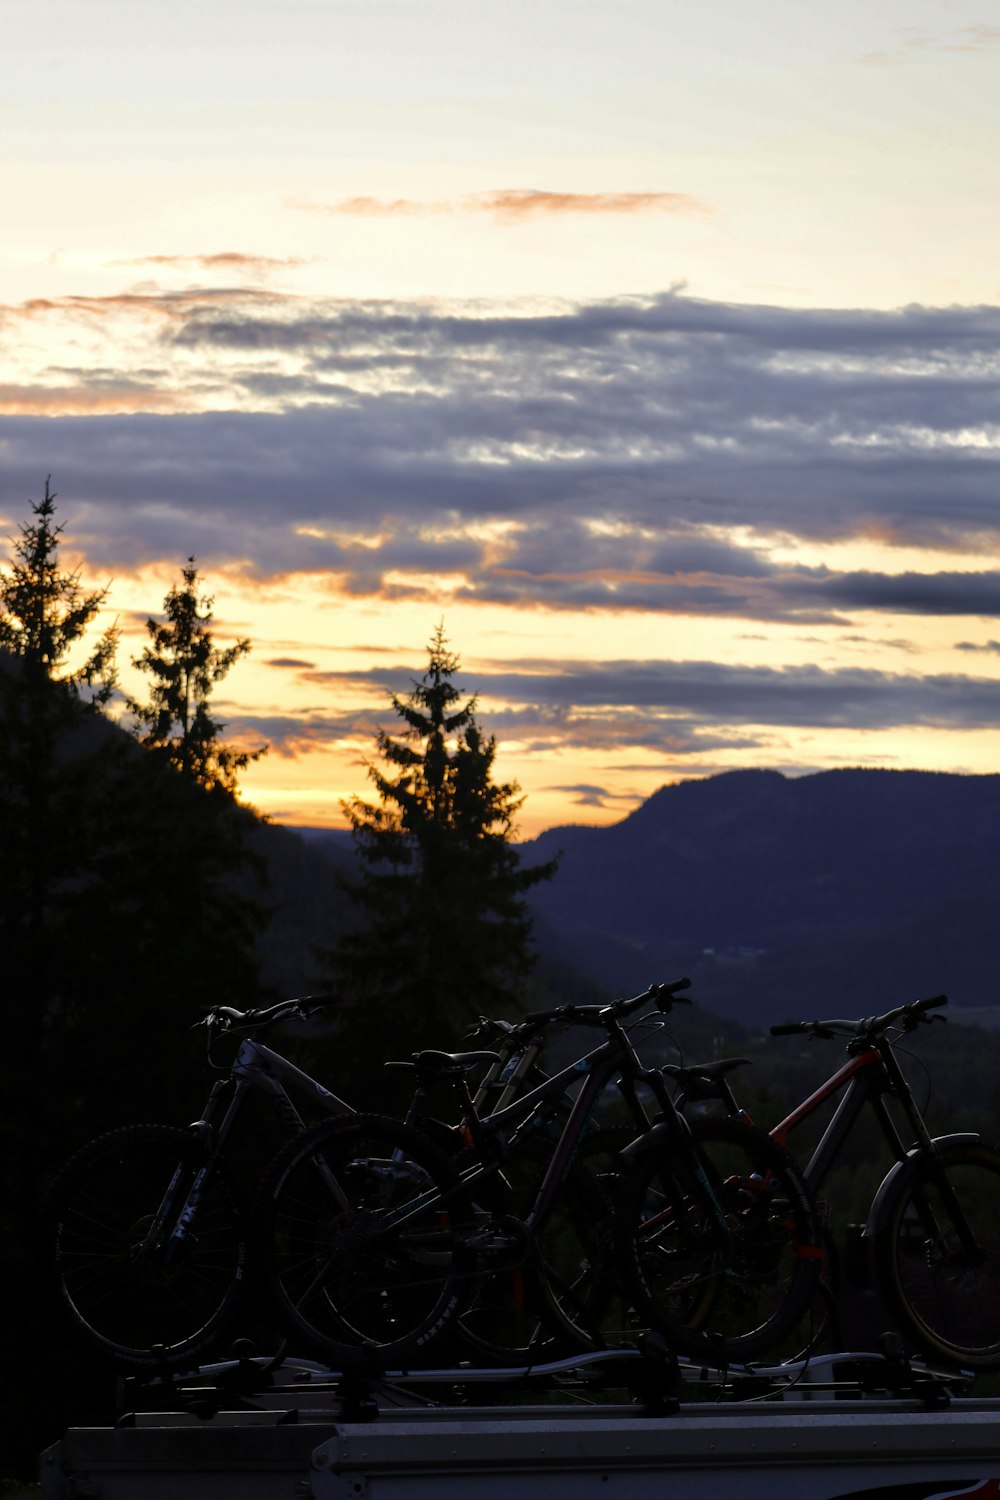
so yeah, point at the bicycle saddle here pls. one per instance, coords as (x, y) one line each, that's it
(438, 1064)
(701, 1080)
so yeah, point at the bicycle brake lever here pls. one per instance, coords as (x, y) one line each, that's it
(205, 1021)
(486, 1026)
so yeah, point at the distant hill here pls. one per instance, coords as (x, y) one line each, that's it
(840, 892)
(308, 907)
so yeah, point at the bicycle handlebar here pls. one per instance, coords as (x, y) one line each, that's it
(662, 995)
(487, 1026)
(302, 1005)
(867, 1026)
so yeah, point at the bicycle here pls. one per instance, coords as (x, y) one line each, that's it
(934, 1223)
(149, 1225)
(501, 1323)
(374, 1243)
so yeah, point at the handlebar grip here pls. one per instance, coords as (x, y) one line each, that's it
(660, 995)
(673, 987)
(824, 1030)
(930, 1003)
(670, 994)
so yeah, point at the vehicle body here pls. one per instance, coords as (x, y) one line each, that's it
(816, 1442)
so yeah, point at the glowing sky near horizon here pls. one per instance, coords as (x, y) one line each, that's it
(654, 348)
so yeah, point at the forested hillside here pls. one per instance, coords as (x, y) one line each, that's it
(841, 891)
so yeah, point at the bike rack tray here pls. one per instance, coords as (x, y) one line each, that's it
(827, 1450)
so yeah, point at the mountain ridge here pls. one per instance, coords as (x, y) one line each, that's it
(788, 894)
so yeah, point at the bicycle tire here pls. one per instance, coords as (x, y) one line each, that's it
(580, 1274)
(135, 1302)
(552, 1299)
(948, 1301)
(356, 1290)
(719, 1295)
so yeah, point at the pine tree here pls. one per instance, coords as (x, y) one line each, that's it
(186, 666)
(56, 772)
(199, 836)
(445, 931)
(44, 613)
(51, 739)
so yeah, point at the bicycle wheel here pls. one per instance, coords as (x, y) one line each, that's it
(725, 1274)
(365, 1242)
(138, 1292)
(548, 1293)
(937, 1253)
(578, 1251)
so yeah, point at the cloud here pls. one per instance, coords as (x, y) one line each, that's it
(637, 713)
(363, 205)
(519, 203)
(89, 397)
(638, 454)
(915, 46)
(136, 307)
(688, 708)
(229, 261)
(289, 736)
(585, 794)
(515, 203)
(990, 648)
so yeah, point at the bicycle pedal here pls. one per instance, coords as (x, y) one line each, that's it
(500, 1242)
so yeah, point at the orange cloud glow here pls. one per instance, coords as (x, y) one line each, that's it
(517, 203)
(77, 401)
(387, 207)
(915, 45)
(225, 260)
(151, 300)
(522, 202)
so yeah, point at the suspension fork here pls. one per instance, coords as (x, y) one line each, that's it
(176, 1223)
(685, 1152)
(926, 1151)
(684, 1168)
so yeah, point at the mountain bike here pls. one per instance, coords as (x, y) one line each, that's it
(504, 1322)
(375, 1244)
(148, 1223)
(934, 1223)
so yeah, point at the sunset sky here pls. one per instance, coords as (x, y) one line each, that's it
(652, 347)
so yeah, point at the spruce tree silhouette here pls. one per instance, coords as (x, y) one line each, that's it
(56, 779)
(186, 666)
(444, 931)
(197, 835)
(44, 612)
(50, 764)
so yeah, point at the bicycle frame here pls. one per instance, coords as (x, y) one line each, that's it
(866, 1079)
(489, 1133)
(257, 1066)
(873, 1072)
